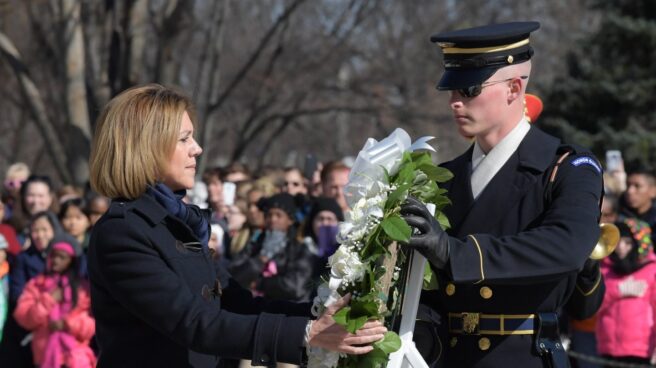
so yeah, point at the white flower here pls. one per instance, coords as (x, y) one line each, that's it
(346, 265)
(321, 358)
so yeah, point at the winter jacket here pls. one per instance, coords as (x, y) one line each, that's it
(625, 325)
(159, 302)
(34, 311)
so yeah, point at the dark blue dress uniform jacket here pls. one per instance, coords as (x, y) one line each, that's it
(518, 254)
(158, 301)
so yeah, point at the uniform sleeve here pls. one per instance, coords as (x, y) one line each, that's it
(140, 280)
(33, 307)
(560, 244)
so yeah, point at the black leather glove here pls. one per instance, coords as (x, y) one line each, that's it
(428, 237)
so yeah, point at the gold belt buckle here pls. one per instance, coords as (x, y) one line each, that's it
(470, 323)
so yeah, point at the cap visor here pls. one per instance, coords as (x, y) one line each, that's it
(457, 79)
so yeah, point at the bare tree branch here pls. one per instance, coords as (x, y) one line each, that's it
(241, 74)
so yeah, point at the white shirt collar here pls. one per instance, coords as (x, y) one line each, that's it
(484, 167)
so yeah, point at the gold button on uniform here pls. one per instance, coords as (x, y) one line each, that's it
(486, 292)
(450, 289)
(454, 341)
(484, 343)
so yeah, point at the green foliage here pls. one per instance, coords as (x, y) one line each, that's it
(606, 100)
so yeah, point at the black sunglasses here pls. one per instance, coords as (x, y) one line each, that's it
(476, 90)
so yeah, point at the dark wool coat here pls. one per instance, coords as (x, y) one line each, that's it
(158, 301)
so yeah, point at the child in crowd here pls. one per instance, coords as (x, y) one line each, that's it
(625, 329)
(74, 217)
(4, 283)
(55, 307)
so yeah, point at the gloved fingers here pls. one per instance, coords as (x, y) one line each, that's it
(418, 241)
(418, 223)
(413, 206)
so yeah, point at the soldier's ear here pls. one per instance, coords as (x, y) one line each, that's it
(515, 90)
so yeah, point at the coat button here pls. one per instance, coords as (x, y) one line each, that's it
(264, 358)
(486, 292)
(450, 289)
(453, 342)
(484, 343)
(206, 293)
(179, 246)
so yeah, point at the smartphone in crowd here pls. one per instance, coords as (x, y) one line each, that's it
(310, 166)
(613, 160)
(229, 191)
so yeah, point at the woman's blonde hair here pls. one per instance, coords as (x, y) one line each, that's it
(135, 136)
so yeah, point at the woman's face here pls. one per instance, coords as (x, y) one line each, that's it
(236, 218)
(255, 216)
(60, 260)
(37, 197)
(294, 183)
(623, 247)
(323, 218)
(75, 222)
(42, 233)
(181, 170)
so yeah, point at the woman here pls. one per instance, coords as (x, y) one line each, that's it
(155, 295)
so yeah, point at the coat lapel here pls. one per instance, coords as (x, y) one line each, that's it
(515, 178)
(459, 189)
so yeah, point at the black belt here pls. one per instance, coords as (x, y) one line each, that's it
(491, 324)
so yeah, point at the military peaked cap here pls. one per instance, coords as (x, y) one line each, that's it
(472, 55)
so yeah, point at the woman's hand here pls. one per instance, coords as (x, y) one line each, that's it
(327, 334)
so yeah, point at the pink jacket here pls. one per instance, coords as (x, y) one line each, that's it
(625, 325)
(33, 312)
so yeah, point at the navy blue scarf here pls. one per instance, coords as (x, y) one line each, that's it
(189, 214)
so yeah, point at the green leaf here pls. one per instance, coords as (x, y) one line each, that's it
(396, 228)
(354, 324)
(443, 220)
(390, 343)
(364, 307)
(436, 173)
(341, 317)
(430, 280)
(406, 174)
(394, 197)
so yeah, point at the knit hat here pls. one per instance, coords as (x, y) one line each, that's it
(282, 201)
(641, 233)
(326, 204)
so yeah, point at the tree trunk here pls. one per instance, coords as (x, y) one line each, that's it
(76, 94)
(37, 108)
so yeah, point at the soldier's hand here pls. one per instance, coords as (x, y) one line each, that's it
(428, 237)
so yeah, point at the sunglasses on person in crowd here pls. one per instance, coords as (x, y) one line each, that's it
(13, 183)
(292, 183)
(476, 90)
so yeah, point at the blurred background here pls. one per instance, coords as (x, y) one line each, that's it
(279, 79)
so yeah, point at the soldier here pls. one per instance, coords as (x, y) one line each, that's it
(524, 213)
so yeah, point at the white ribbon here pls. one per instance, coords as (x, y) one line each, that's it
(374, 156)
